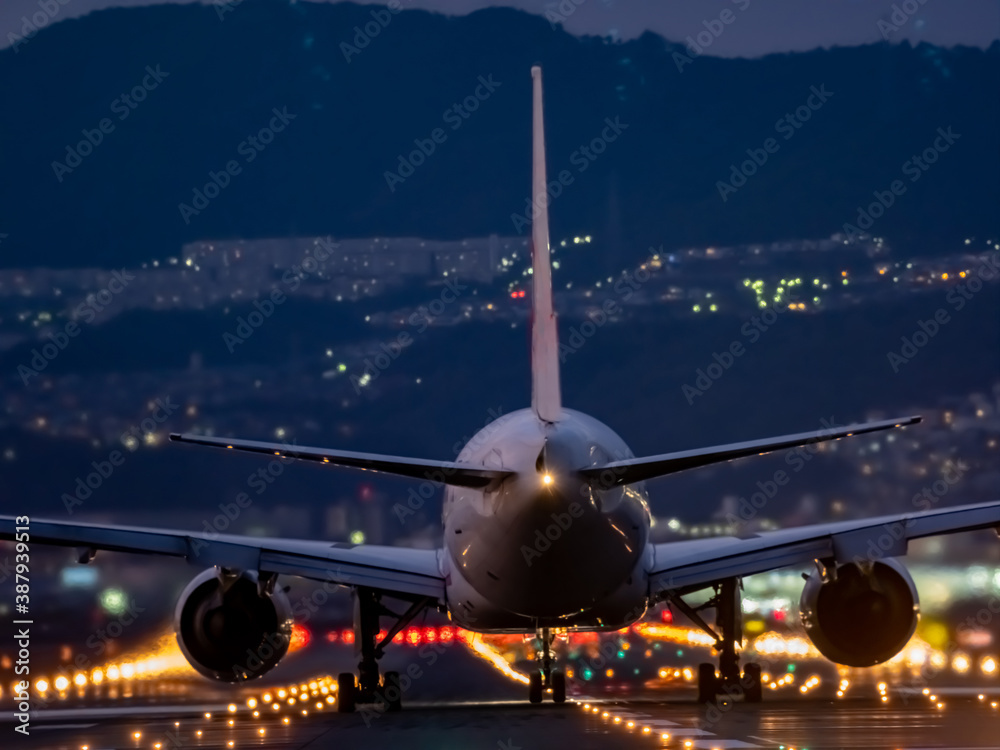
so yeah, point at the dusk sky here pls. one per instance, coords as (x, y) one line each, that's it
(760, 26)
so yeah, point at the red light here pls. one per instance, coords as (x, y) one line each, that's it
(430, 635)
(347, 636)
(666, 615)
(520, 293)
(300, 637)
(332, 636)
(412, 636)
(447, 634)
(381, 634)
(779, 615)
(398, 638)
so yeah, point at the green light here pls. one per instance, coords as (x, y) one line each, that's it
(587, 674)
(341, 367)
(114, 601)
(680, 652)
(621, 654)
(791, 667)
(357, 537)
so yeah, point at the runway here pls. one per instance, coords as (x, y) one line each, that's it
(465, 702)
(807, 724)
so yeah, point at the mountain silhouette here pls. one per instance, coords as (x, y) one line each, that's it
(360, 104)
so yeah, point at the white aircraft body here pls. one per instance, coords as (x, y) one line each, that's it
(546, 528)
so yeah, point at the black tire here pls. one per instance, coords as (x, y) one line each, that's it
(392, 691)
(558, 686)
(535, 687)
(708, 683)
(753, 689)
(346, 693)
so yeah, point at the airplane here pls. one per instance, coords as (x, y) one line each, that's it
(546, 526)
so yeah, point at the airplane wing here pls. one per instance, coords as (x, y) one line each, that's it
(397, 571)
(639, 469)
(690, 565)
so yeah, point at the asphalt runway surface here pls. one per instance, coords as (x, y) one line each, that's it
(464, 702)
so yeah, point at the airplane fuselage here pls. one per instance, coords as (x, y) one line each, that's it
(544, 547)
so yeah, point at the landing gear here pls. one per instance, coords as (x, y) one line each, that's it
(370, 688)
(708, 683)
(558, 686)
(535, 687)
(547, 676)
(728, 680)
(346, 691)
(753, 688)
(392, 691)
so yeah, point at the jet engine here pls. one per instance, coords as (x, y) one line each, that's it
(863, 614)
(229, 629)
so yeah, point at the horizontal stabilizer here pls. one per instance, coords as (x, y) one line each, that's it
(637, 469)
(442, 472)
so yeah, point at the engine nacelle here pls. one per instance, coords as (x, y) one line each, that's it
(227, 630)
(863, 617)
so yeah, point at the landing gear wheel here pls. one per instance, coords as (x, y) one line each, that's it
(346, 692)
(753, 690)
(708, 683)
(392, 692)
(535, 687)
(558, 680)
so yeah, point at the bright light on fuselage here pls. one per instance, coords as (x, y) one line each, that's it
(546, 479)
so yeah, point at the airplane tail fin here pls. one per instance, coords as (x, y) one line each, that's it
(546, 400)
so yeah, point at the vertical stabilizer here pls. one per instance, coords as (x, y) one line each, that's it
(545, 397)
